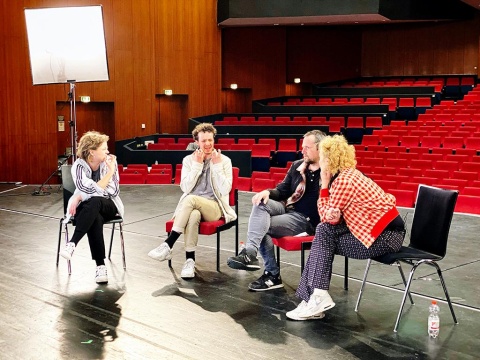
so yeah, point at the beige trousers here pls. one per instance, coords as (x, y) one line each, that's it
(191, 210)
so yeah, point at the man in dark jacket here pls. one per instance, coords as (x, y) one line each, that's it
(289, 209)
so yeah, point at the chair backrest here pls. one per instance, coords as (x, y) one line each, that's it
(68, 185)
(434, 209)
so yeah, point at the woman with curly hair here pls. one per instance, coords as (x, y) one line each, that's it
(358, 220)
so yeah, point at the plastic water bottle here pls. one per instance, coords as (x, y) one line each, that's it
(156, 162)
(433, 320)
(241, 247)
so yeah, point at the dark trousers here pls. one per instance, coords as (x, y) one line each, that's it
(89, 219)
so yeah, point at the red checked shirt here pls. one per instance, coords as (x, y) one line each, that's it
(365, 207)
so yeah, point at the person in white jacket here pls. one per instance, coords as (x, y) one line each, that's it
(95, 200)
(206, 183)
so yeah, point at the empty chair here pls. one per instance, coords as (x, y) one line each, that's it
(166, 140)
(389, 140)
(177, 146)
(261, 184)
(372, 123)
(248, 141)
(222, 141)
(404, 198)
(431, 142)
(466, 175)
(410, 141)
(472, 143)
(241, 147)
(355, 122)
(473, 191)
(161, 166)
(154, 146)
(370, 140)
(422, 104)
(453, 143)
(470, 166)
(270, 141)
(244, 183)
(287, 151)
(459, 183)
(259, 175)
(157, 178)
(132, 178)
(469, 204)
(261, 157)
(450, 166)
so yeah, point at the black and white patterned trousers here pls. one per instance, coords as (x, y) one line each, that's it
(331, 240)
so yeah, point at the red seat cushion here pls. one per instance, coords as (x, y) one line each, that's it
(206, 227)
(292, 243)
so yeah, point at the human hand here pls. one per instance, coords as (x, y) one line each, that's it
(111, 162)
(325, 175)
(333, 215)
(198, 155)
(72, 209)
(216, 156)
(262, 195)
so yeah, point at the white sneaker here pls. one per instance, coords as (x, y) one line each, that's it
(188, 270)
(68, 250)
(161, 253)
(319, 301)
(293, 315)
(101, 275)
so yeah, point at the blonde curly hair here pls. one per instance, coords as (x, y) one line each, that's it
(339, 154)
(91, 140)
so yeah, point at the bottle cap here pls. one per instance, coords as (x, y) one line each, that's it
(434, 302)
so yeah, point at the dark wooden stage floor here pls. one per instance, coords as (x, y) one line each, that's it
(149, 312)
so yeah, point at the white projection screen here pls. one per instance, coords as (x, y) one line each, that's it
(66, 44)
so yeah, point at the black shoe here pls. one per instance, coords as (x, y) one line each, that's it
(266, 282)
(244, 262)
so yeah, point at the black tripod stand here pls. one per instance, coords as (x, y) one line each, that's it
(40, 191)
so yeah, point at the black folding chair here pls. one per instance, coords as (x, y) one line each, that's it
(428, 241)
(68, 189)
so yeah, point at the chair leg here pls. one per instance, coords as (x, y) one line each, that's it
(404, 282)
(59, 240)
(69, 263)
(169, 261)
(236, 237)
(369, 262)
(218, 251)
(345, 278)
(111, 241)
(407, 289)
(439, 272)
(122, 245)
(278, 257)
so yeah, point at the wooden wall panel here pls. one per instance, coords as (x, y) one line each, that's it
(421, 49)
(255, 58)
(172, 112)
(317, 55)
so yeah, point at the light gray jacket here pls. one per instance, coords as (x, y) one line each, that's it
(221, 177)
(87, 187)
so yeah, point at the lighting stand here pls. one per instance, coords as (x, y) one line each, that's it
(73, 120)
(40, 191)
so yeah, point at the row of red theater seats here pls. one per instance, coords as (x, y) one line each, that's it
(399, 152)
(368, 121)
(392, 102)
(431, 142)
